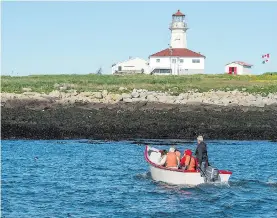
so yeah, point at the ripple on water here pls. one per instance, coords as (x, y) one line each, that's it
(89, 178)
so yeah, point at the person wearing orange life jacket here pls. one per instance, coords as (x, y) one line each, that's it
(188, 161)
(178, 153)
(172, 160)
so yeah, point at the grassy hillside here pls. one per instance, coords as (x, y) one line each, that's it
(265, 83)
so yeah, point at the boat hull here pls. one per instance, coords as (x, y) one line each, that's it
(180, 177)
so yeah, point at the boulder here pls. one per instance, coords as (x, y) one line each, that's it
(31, 93)
(126, 95)
(127, 100)
(86, 94)
(122, 88)
(108, 98)
(135, 94)
(55, 93)
(143, 94)
(116, 97)
(26, 89)
(151, 98)
(104, 93)
(73, 92)
(167, 99)
(97, 95)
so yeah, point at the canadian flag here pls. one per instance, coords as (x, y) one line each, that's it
(265, 56)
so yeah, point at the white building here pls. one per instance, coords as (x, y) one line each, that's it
(238, 68)
(177, 60)
(131, 66)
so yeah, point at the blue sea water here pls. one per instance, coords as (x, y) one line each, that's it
(81, 178)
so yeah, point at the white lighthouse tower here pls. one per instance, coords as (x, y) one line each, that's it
(178, 29)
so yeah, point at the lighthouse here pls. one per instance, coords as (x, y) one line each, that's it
(177, 59)
(178, 28)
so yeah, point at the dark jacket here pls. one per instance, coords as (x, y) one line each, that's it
(201, 153)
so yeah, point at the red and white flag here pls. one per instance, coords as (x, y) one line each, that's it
(265, 56)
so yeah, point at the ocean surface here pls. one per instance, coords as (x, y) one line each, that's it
(82, 178)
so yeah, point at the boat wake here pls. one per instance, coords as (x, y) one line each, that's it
(271, 181)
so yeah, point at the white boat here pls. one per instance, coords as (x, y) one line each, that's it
(181, 176)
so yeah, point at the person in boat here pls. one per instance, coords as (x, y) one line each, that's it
(172, 160)
(188, 162)
(178, 153)
(155, 155)
(201, 154)
(162, 158)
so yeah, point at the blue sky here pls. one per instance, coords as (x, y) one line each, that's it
(80, 37)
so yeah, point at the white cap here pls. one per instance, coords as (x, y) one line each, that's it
(172, 149)
(200, 138)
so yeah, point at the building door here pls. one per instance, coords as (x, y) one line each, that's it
(235, 70)
(230, 70)
(174, 66)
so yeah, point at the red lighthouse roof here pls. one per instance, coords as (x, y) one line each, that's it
(178, 13)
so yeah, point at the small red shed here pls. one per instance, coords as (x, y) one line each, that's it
(238, 68)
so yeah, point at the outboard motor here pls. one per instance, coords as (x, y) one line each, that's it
(212, 174)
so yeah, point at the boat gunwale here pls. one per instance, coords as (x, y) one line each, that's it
(176, 170)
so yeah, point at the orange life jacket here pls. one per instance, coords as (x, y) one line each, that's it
(190, 162)
(178, 153)
(171, 159)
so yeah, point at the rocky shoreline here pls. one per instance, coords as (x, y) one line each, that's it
(221, 98)
(138, 114)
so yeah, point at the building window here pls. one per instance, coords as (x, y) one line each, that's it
(181, 60)
(162, 71)
(195, 61)
(174, 60)
(165, 71)
(158, 60)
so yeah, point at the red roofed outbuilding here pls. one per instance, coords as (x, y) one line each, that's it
(238, 68)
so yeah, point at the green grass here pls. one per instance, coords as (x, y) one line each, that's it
(264, 84)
